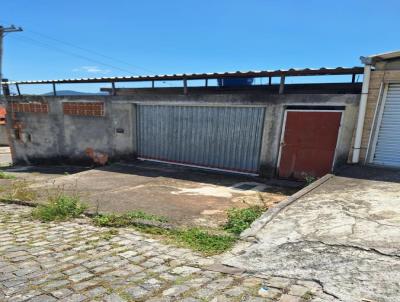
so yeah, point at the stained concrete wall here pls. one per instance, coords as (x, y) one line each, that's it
(58, 137)
(3, 136)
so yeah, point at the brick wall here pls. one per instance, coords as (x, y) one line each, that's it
(377, 78)
(84, 108)
(42, 107)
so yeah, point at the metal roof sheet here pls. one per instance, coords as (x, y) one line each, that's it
(385, 55)
(200, 76)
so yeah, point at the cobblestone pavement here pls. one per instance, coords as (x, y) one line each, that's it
(76, 261)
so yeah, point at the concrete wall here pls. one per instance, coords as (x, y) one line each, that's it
(3, 136)
(385, 72)
(55, 136)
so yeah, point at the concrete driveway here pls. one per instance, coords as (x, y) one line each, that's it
(185, 196)
(343, 234)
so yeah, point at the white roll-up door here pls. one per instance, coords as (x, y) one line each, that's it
(387, 151)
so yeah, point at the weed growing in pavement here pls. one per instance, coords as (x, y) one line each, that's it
(19, 190)
(308, 296)
(310, 179)
(241, 219)
(60, 206)
(195, 238)
(126, 219)
(203, 240)
(4, 175)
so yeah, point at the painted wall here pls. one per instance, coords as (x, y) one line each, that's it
(53, 136)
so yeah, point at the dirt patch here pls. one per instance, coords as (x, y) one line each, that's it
(185, 196)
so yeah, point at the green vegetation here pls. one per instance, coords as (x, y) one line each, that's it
(308, 296)
(59, 207)
(310, 179)
(195, 238)
(19, 190)
(241, 219)
(4, 175)
(203, 241)
(127, 219)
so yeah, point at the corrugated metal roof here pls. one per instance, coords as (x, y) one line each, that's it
(385, 55)
(200, 76)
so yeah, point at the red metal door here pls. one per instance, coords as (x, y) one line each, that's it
(309, 143)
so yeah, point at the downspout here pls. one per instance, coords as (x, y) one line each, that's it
(362, 109)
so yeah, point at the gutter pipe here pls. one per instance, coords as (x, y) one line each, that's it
(362, 109)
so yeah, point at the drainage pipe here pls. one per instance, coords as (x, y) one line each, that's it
(362, 109)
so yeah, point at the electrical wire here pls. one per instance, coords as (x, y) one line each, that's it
(51, 47)
(46, 36)
(90, 51)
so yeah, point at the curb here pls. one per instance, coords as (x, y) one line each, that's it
(271, 213)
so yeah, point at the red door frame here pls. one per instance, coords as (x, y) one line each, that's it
(281, 142)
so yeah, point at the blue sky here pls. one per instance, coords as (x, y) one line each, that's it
(178, 36)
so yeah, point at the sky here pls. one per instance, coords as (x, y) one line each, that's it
(96, 38)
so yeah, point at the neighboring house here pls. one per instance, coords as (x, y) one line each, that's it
(377, 136)
(229, 123)
(3, 130)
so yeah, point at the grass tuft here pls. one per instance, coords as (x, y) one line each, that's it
(127, 219)
(241, 219)
(195, 238)
(203, 241)
(4, 175)
(20, 190)
(60, 207)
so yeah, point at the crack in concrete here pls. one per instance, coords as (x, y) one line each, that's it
(341, 245)
(319, 282)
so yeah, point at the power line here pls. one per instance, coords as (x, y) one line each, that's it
(87, 50)
(40, 43)
(90, 51)
(55, 48)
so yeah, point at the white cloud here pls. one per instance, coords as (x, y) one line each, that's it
(92, 69)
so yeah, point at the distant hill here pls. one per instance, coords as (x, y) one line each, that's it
(72, 92)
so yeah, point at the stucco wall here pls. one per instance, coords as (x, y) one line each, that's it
(55, 136)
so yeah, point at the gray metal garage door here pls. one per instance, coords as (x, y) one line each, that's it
(387, 150)
(217, 137)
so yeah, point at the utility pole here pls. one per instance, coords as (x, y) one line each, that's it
(4, 30)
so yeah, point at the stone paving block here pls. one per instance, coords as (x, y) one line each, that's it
(175, 291)
(185, 270)
(75, 270)
(290, 298)
(23, 296)
(271, 293)
(43, 298)
(84, 285)
(62, 293)
(74, 298)
(55, 284)
(113, 298)
(81, 277)
(298, 290)
(132, 266)
(278, 282)
(96, 292)
(137, 292)
(235, 291)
